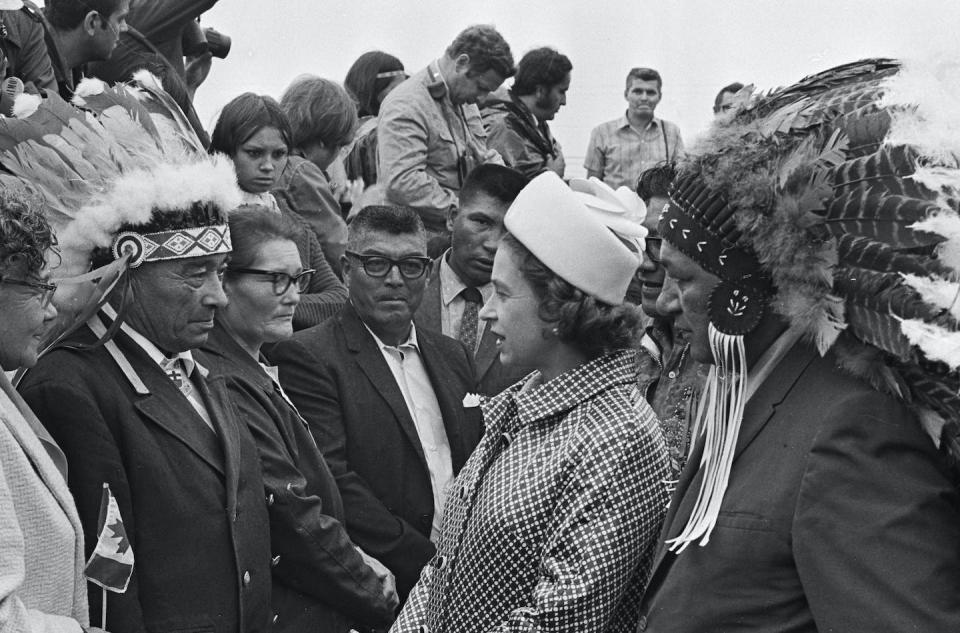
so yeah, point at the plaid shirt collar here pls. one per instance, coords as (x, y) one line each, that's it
(563, 392)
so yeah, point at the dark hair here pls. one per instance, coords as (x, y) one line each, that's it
(593, 327)
(497, 181)
(362, 81)
(24, 229)
(251, 227)
(486, 49)
(735, 87)
(319, 111)
(540, 67)
(394, 220)
(656, 181)
(243, 117)
(644, 74)
(69, 14)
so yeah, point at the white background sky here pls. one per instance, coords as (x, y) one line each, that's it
(697, 45)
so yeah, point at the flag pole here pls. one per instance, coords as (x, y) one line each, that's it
(103, 611)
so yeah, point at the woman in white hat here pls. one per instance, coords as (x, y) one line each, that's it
(553, 520)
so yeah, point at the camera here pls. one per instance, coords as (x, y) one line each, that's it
(197, 41)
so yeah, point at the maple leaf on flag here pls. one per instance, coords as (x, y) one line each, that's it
(121, 535)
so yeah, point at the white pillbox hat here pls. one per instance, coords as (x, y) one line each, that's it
(573, 239)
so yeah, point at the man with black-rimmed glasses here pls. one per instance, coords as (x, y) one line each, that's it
(387, 403)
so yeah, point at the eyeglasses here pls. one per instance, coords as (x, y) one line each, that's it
(380, 266)
(653, 248)
(45, 290)
(281, 281)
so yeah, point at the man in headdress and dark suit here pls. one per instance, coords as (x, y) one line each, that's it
(124, 398)
(800, 247)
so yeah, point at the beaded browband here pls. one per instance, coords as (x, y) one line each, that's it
(700, 224)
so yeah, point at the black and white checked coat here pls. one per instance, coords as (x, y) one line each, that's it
(552, 523)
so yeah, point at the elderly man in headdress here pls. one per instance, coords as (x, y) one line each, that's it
(130, 407)
(810, 252)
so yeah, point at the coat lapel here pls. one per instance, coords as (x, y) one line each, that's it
(371, 362)
(428, 313)
(451, 406)
(757, 413)
(214, 393)
(487, 352)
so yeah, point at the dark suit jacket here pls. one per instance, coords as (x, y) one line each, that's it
(191, 500)
(342, 385)
(492, 376)
(839, 516)
(320, 582)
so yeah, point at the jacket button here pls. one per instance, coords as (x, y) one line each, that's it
(642, 624)
(425, 520)
(442, 562)
(246, 579)
(275, 561)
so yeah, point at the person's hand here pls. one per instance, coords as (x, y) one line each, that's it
(388, 584)
(197, 68)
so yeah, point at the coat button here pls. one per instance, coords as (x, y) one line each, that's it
(275, 561)
(642, 624)
(246, 579)
(442, 562)
(425, 520)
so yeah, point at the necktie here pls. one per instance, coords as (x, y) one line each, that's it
(470, 318)
(173, 367)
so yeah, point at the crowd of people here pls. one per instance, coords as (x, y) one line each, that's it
(362, 359)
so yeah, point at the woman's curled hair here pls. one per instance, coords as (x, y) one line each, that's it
(594, 327)
(24, 229)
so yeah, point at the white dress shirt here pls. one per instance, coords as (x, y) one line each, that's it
(452, 304)
(408, 370)
(157, 356)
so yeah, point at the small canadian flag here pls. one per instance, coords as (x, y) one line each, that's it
(111, 563)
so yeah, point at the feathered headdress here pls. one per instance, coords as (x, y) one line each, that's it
(834, 203)
(125, 180)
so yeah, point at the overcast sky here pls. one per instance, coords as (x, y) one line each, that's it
(697, 45)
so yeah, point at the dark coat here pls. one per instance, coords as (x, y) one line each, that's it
(191, 500)
(839, 516)
(340, 382)
(320, 582)
(492, 376)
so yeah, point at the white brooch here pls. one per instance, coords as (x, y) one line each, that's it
(471, 400)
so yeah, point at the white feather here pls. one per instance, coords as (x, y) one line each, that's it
(26, 104)
(936, 342)
(923, 100)
(88, 87)
(940, 293)
(945, 223)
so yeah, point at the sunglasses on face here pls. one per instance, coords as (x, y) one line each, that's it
(380, 266)
(281, 281)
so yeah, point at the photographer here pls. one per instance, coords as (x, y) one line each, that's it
(165, 38)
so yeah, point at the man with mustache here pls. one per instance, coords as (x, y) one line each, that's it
(460, 278)
(386, 401)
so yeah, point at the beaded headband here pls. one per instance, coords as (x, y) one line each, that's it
(172, 244)
(700, 224)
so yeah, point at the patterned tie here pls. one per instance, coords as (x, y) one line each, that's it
(470, 318)
(173, 367)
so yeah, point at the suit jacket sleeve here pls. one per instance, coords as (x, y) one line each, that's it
(317, 390)
(877, 547)
(315, 555)
(75, 421)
